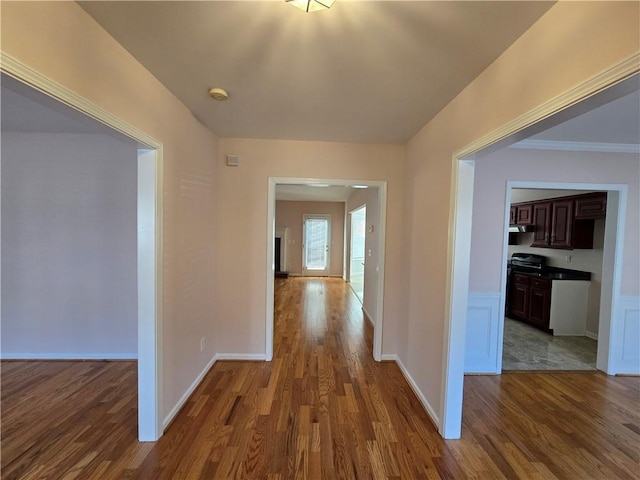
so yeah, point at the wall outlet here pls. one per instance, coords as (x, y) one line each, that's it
(567, 258)
(202, 344)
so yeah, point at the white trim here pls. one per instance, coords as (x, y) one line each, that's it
(626, 358)
(185, 397)
(483, 333)
(457, 285)
(25, 74)
(150, 171)
(513, 131)
(416, 390)
(577, 146)
(271, 196)
(69, 356)
(388, 357)
(368, 316)
(591, 335)
(253, 357)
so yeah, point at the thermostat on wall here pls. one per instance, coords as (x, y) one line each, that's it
(233, 160)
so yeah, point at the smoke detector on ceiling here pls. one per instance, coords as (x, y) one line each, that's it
(218, 94)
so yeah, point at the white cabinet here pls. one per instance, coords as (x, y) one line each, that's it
(569, 303)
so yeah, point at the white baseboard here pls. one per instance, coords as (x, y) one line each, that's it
(69, 356)
(368, 316)
(254, 357)
(389, 357)
(220, 356)
(591, 335)
(414, 386)
(178, 406)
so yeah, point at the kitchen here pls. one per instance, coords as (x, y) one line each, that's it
(554, 278)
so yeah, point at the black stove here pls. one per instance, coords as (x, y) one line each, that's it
(527, 262)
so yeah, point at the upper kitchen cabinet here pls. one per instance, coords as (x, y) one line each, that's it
(564, 223)
(591, 206)
(521, 215)
(541, 224)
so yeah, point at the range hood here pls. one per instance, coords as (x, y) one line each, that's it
(520, 228)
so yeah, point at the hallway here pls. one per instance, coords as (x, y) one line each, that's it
(322, 409)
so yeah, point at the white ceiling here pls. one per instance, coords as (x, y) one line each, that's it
(363, 71)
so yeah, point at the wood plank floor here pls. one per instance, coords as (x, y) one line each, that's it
(322, 409)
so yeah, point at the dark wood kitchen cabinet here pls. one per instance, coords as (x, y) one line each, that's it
(521, 215)
(556, 224)
(541, 224)
(519, 296)
(591, 206)
(561, 224)
(540, 302)
(530, 300)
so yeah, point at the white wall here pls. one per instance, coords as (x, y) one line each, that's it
(290, 214)
(68, 246)
(62, 42)
(492, 173)
(242, 233)
(571, 43)
(357, 199)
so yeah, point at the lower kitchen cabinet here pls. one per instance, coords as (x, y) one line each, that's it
(540, 302)
(555, 306)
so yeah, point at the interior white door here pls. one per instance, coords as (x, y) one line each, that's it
(316, 244)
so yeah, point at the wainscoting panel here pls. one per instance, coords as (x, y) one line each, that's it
(481, 347)
(628, 361)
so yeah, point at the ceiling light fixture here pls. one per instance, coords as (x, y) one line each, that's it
(218, 94)
(311, 5)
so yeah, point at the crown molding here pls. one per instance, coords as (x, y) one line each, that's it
(577, 146)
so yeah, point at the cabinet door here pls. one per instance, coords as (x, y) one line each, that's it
(541, 224)
(524, 215)
(591, 206)
(540, 306)
(512, 215)
(561, 224)
(519, 301)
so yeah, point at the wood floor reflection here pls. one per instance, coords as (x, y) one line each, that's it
(321, 409)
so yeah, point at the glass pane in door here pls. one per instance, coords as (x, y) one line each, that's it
(316, 243)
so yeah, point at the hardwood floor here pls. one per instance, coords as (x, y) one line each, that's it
(322, 409)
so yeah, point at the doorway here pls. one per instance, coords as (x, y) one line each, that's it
(567, 339)
(612, 85)
(378, 258)
(316, 245)
(357, 251)
(149, 230)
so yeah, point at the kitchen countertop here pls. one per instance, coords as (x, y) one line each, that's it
(555, 273)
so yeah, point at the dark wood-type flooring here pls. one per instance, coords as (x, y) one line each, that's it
(322, 409)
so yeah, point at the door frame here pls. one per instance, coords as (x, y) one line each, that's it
(350, 251)
(610, 290)
(327, 269)
(149, 238)
(567, 105)
(270, 266)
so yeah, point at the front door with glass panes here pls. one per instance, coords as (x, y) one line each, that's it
(316, 243)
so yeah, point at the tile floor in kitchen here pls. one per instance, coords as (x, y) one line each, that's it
(527, 348)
